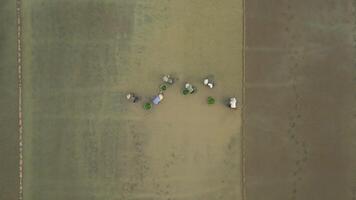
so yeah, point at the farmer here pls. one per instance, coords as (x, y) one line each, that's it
(168, 79)
(132, 97)
(190, 88)
(208, 83)
(233, 103)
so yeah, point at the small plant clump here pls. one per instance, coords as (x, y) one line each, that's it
(185, 91)
(147, 106)
(163, 87)
(211, 100)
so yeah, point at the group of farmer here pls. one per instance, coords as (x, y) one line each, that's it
(188, 88)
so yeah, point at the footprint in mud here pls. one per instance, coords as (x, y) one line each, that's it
(354, 192)
(164, 190)
(295, 116)
(138, 162)
(291, 17)
(305, 148)
(289, 12)
(299, 165)
(128, 189)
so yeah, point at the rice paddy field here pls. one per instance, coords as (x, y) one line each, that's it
(299, 107)
(84, 140)
(8, 103)
(290, 63)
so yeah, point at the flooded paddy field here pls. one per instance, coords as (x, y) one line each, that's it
(83, 140)
(300, 100)
(8, 103)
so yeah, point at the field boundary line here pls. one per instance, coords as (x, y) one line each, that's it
(243, 142)
(19, 73)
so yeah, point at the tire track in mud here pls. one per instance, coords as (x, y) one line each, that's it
(295, 57)
(19, 67)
